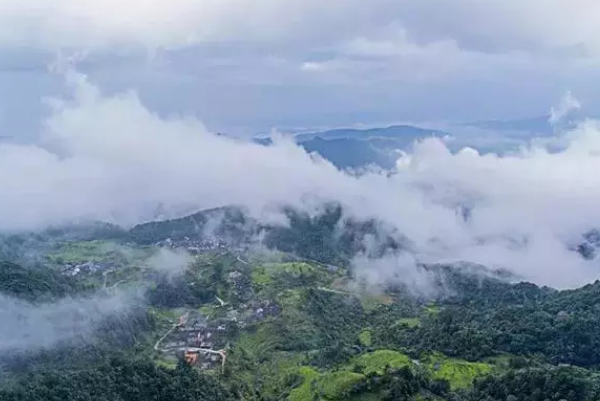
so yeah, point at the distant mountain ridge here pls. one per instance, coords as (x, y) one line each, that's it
(398, 132)
(356, 148)
(540, 125)
(352, 148)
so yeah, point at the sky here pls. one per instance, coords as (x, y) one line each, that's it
(115, 108)
(248, 66)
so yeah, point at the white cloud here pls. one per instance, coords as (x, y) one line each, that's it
(113, 159)
(170, 262)
(30, 327)
(116, 146)
(567, 104)
(265, 58)
(110, 157)
(311, 66)
(537, 25)
(159, 22)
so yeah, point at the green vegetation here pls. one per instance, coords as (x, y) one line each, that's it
(495, 318)
(33, 283)
(432, 309)
(293, 328)
(555, 383)
(274, 277)
(365, 338)
(335, 385)
(410, 322)
(84, 251)
(458, 373)
(379, 361)
(233, 225)
(371, 301)
(305, 390)
(117, 379)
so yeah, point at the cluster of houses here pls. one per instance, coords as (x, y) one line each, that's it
(194, 245)
(241, 285)
(72, 269)
(200, 342)
(196, 331)
(251, 309)
(256, 311)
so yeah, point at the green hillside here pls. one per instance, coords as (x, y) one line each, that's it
(244, 325)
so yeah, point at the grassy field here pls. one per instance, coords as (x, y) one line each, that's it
(377, 361)
(460, 374)
(73, 252)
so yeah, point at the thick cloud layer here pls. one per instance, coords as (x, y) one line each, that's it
(108, 157)
(491, 26)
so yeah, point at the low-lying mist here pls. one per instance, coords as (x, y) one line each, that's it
(109, 158)
(41, 310)
(70, 321)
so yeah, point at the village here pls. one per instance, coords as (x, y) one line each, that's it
(194, 245)
(199, 336)
(201, 245)
(203, 342)
(86, 268)
(194, 339)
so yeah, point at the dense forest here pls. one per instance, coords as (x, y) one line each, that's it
(34, 283)
(116, 379)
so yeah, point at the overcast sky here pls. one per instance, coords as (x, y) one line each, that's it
(244, 66)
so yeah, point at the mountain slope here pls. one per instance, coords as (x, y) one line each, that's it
(236, 323)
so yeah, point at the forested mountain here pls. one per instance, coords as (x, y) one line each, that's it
(290, 324)
(328, 237)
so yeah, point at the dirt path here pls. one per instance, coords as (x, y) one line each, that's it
(157, 345)
(105, 275)
(181, 322)
(222, 352)
(333, 291)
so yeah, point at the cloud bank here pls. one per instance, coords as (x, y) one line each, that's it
(497, 26)
(107, 157)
